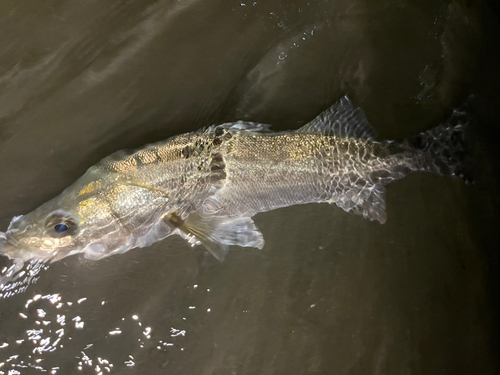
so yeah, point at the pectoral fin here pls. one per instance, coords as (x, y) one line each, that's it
(217, 233)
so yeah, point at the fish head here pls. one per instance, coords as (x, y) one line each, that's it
(88, 217)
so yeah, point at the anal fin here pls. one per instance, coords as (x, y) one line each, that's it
(367, 201)
(217, 233)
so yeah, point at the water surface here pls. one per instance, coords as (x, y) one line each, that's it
(330, 293)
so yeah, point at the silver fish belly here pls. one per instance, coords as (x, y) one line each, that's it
(206, 186)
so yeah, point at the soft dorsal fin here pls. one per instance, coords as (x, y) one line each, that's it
(341, 120)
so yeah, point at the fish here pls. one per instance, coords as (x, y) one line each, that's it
(207, 185)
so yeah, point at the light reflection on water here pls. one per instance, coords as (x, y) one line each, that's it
(16, 279)
(53, 323)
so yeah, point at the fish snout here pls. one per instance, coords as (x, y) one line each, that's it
(15, 224)
(8, 246)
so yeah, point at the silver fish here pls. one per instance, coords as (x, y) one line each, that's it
(205, 186)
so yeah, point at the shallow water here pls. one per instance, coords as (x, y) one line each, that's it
(330, 293)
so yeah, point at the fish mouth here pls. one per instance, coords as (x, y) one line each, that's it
(8, 245)
(12, 249)
(7, 248)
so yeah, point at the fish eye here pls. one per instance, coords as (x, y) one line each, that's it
(60, 224)
(59, 228)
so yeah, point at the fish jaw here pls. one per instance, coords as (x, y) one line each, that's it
(15, 251)
(6, 248)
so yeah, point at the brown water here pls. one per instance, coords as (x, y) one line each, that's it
(330, 293)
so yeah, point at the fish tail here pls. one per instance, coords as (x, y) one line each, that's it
(444, 150)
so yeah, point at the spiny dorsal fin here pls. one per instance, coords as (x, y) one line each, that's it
(249, 126)
(242, 126)
(341, 120)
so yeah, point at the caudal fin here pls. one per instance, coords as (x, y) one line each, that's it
(445, 150)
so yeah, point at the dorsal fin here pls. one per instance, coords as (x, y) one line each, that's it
(243, 126)
(249, 126)
(341, 120)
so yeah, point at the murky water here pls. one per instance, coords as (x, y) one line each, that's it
(330, 293)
